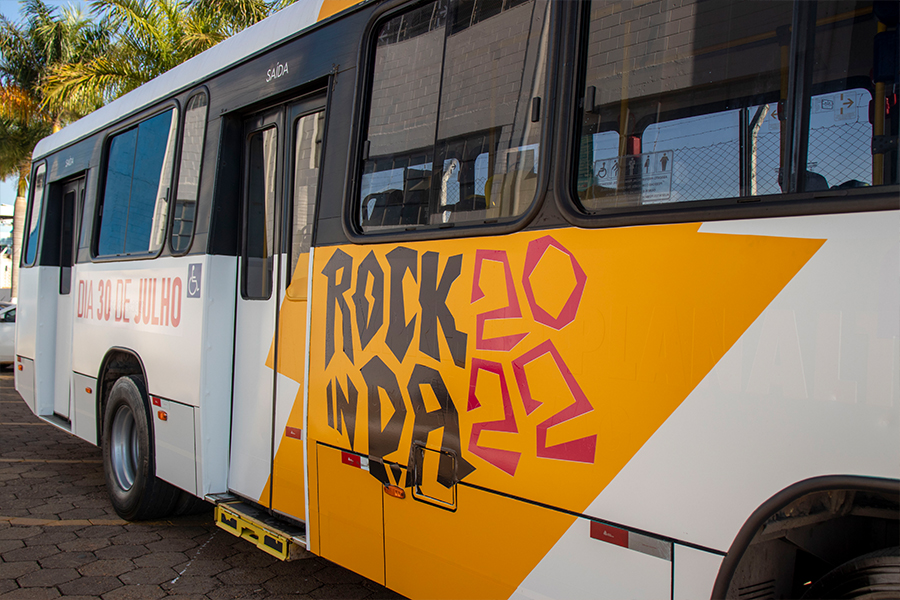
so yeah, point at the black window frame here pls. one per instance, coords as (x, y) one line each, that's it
(176, 172)
(133, 123)
(23, 253)
(355, 167)
(571, 91)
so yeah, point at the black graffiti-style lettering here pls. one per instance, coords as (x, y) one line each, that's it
(329, 396)
(339, 261)
(444, 417)
(400, 333)
(383, 441)
(433, 300)
(346, 409)
(368, 325)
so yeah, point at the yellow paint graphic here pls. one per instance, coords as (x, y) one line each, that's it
(333, 7)
(561, 353)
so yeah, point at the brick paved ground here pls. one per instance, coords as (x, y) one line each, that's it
(59, 535)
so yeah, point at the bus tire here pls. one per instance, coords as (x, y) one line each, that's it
(128, 457)
(873, 576)
(189, 504)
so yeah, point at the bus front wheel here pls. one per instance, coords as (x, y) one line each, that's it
(128, 460)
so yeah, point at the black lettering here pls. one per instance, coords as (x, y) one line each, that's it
(346, 409)
(399, 332)
(339, 261)
(433, 300)
(383, 441)
(330, 396)
(368, 325)
(445, 417)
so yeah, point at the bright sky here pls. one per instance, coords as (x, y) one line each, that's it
(11, 10)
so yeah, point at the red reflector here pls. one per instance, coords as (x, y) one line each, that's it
(156, 401)
(350, 459)
(293, 432)
(613, 535)
(19, 358)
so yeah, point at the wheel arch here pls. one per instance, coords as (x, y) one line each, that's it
(118, 362)
(782, 500)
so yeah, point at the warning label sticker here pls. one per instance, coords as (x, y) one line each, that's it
(651, 173)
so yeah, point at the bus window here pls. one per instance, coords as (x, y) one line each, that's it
(262, 154)
(454, 132)
(34, 219)
(692, 103)
(308, 136)
(135, 196)
(185, 206)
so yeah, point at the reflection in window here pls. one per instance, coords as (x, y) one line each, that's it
(693, 108)
(185, 206)
(34, 219)
(135, 197)
(307, 158)
(450, 133)
(259, 260)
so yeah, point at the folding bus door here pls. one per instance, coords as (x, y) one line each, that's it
(282, 153)
(305, 124)
(71, 200)
(257, 294)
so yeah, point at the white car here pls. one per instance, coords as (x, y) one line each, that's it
(8, 335)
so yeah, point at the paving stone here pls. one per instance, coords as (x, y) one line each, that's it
(90, 586)
(100, 531)
(232, 592)
(110, 567)
(191, 584)
(336, 574)
(12, 570)
(161, 559)
(148, 576)
(7, 545)
(340, 591)
(19, 533)
(86, 545)
(7, 585)
(172, 545)
(258, 560)
(31, 594)
(245, 575)
(47, 577)
(29, 553)
(67, 559)
(135, 538)
(287, 584)
(135, 592)
(51, 537)
(122, 551)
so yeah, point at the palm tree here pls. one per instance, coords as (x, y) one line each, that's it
(27, 50)
(151, 37)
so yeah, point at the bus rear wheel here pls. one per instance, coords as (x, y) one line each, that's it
(128, 458)
(873, 576)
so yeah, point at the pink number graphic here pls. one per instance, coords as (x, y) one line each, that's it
(580, 450)
(506, 460)
(503, 343)
(536, 250)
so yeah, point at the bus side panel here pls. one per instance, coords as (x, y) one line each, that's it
(26, 312)
(46, 288)
(535, 364)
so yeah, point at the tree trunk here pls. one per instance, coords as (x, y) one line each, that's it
(18, 230)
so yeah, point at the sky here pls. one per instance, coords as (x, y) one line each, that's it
(10, 10)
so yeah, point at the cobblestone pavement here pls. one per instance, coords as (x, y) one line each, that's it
(59, 535)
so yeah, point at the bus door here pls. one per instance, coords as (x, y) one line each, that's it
(282, 153)
(70, 203)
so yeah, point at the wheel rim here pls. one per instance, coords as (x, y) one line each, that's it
(125, 448)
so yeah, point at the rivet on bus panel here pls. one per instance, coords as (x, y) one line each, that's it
(163, 416)
(396, 492)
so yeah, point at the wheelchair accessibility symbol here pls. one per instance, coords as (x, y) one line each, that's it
(194, 278)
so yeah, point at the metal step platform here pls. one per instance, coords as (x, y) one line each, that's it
(283, 540)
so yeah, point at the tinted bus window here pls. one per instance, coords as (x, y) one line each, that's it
(185, 206)
(34, 219)
(690, 103)
(454, 120)
(135, 197)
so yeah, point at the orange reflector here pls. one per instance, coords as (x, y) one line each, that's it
(396, 492)
(20, 367)
(89, 390)
(162, 415)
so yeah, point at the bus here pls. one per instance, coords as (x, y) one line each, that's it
(496, 298)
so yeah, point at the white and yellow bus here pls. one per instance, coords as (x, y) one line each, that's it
(497, 298)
